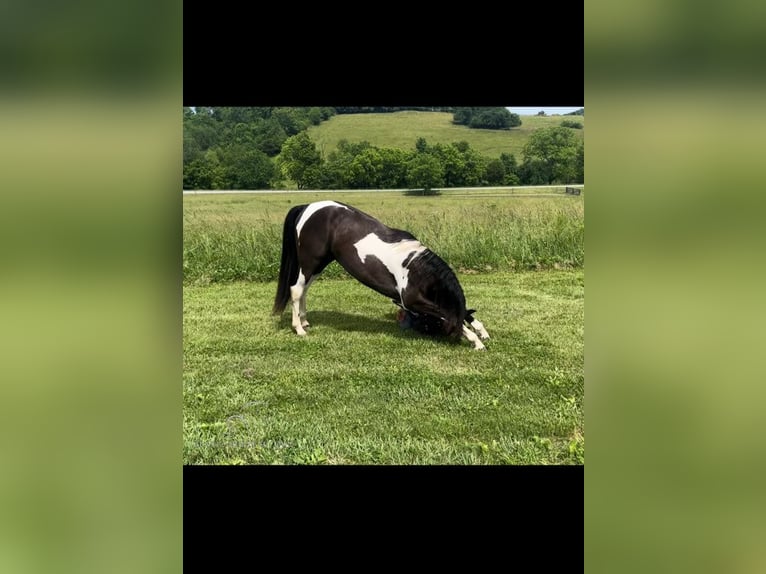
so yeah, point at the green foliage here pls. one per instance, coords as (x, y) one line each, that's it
(221, 129)
(300, 160)
(552, 155)
(292, 120)
(393, 173)
(366, 169)
(495, 172)
(315, 116)
(268, 136)
(462, 116)
(245, 167)
(511, 168)
(204, 172)
(214, 157)
(335, 173)
(424, 171)
(462, 166)
(571, 124)
(486, 118)
(580, 112)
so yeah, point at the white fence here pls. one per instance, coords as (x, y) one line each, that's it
(514, 187)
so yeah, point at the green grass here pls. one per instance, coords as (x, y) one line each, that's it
(401, 130)
(358, 390)
(238, 237)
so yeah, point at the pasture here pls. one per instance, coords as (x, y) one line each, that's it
(402, 129)
(358, 389)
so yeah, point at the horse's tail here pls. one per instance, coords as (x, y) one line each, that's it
(288, 267)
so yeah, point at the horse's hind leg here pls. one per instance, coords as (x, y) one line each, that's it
(298, 296)
(306, 275)
(302, 303)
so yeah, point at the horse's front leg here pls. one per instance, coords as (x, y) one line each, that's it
(471, 336)
(477, 326)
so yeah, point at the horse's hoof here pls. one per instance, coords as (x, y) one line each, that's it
(305, 324)
(480, 347)
(300, 332)
(484, 337)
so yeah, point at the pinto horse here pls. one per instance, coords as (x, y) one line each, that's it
(390, 261)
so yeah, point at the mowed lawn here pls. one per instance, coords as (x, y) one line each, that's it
(359, 390)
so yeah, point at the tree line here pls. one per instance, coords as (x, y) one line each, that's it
(258, 148)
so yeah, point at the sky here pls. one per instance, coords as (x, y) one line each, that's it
(530, 111)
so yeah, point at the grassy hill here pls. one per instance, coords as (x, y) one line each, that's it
(401, 129)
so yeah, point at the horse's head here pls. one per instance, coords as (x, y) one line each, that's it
(435, 291)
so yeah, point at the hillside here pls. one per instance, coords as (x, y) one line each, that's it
(401, 129)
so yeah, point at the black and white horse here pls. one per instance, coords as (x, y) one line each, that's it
(389, 261)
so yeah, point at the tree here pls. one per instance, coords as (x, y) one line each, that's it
(393, 173)
(556, 148)
(204, 172)
(300, 160)
(495, 172)
(315, 116)
(511, 169)
(292, 120)
(453, 163)
(424, 172)
(534, 172)
(268, 136)
(462, 116)
(365, 169)
(245, 167)
(494, 119)
(486, 118)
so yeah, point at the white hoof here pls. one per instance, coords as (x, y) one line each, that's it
(300, 332)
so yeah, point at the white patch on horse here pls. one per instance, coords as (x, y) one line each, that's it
(298, 296)
(477, 326)
(471, 336)
(311, 210)
(392, 255)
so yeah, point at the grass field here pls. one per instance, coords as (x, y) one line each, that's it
(232, 237)
(357, 389)
(401, 130)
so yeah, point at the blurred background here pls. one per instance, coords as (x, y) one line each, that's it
(675, 96)
(90, 419)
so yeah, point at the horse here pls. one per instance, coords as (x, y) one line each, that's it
(390, 261)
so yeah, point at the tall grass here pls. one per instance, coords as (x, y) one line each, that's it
(471, 235)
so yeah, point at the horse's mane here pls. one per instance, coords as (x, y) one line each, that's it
(443, 288)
